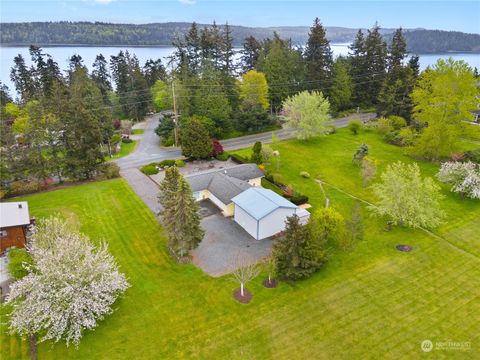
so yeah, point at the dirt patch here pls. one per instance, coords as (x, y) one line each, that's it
(270, 284)
(245, 299)
(404, 248)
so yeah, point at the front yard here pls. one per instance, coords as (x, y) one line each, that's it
(372, 302)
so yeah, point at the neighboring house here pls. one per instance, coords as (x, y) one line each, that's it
(220, 186)
(476, 116)
(14, 223)
(262, 212)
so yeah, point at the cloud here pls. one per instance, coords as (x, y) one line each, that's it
(188, 2)
(103, 1)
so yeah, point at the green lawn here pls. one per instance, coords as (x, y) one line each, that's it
(125, 149)
(138, 131)
(372, 302)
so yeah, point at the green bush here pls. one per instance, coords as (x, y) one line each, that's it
(109, 170)
(304, 174)
(239, 159)
(384, 126)
(17, 259)
(355, 126)
(331, 129)
(473, 155)
(298, 198)
(167, 162)
(22, 187)
(126, 140)
(397, 122)
(179, 163)
(149, 169)
(223, 156)
(115, 139)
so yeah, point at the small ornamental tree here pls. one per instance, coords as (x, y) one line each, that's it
(257, 153)
(243, 272)
(217, 148)
(463, 177)
(361, 152)
(70, 286)
(355, 126)
(407, 199)
(296, 255)
(306, 113)
(195, 140)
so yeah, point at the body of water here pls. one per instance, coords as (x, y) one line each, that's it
(61, 54)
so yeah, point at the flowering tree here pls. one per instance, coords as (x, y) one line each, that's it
(407, 199)
(306, 113)
(70, 286)
(464, 177)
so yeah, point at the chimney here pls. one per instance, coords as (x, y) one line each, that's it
(19, 206)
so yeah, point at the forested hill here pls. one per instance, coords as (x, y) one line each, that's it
(87, 33)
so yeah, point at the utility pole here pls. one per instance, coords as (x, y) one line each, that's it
(175, 116)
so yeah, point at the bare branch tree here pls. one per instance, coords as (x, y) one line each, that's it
(243, 271)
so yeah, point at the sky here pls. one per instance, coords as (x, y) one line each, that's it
(444, 15)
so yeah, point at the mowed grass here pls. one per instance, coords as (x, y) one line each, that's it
(125, 149)
(372, 302)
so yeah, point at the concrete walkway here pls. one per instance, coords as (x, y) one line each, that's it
(143, 186)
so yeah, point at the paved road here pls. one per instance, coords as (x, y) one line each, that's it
(149, 149)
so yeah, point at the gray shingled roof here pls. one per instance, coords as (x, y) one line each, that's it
(227, 183)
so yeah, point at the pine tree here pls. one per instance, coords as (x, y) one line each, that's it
(169, 187)
(375, 58)
(154, 70)
(358, 68)
(196, 141)
(341, 86)
(23, 79)
(227, 51)
(187, 231)
(101, 76)
(250, 53)
(257, 153)
(296, 255)
(318, 58)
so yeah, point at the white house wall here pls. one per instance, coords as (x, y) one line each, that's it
(220, 204)
(274, 222)
(247, 222)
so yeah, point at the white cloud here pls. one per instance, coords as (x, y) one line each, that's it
(103, 1)
(188, 2)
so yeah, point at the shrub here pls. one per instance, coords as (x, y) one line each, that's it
(167, 162)
(304, 174)
(115, 139)
(223, 156)
(22, 187)
(149, 169)
(126, 140)
(406, 136)
(473, 155)
(217, 148)
(361, 152)
(397, 122)
(384, 126)
(355, 126)
(392, 137)
(109, 170)
(179, 163)
(330, 129)
(238, 158)
(298, 198)
(257, 153)
(17, 259)
(266, 153)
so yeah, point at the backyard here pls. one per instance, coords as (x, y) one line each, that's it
(374, 300)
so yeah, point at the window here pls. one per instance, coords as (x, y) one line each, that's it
(3, 233)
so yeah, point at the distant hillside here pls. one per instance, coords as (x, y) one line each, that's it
(87, 33)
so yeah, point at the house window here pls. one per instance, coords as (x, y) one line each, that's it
(3, 233)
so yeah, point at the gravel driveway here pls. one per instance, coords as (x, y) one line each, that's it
(224, 239)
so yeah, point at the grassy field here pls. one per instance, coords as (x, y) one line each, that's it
(369, 303)
(138, 131)
(125, 149)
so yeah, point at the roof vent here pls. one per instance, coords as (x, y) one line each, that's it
(19, 206)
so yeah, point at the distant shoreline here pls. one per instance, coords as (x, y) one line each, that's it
(170, 46)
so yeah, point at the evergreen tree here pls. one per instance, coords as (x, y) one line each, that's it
(166, 196)
(250, 53)
(358, 68)
(318, 59)
(23, 79)
(187, 232)
(227, 51)
(257, 153)
(153, 70)
(193, 49)
(341, 86)
(296, 255)
(101, 76)
(375, 58)
(196, 141)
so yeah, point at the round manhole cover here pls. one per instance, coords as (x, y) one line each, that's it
(404, 248)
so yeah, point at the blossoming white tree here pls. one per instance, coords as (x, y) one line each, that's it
(70, 286)
(407, 199)
(464, 177)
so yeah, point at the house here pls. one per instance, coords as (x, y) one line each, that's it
(14, 223)
(220, 186)
(262, 212)
(476, 116)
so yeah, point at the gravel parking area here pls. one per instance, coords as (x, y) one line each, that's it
(224, 239)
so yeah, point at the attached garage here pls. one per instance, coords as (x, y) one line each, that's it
(262, 212)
